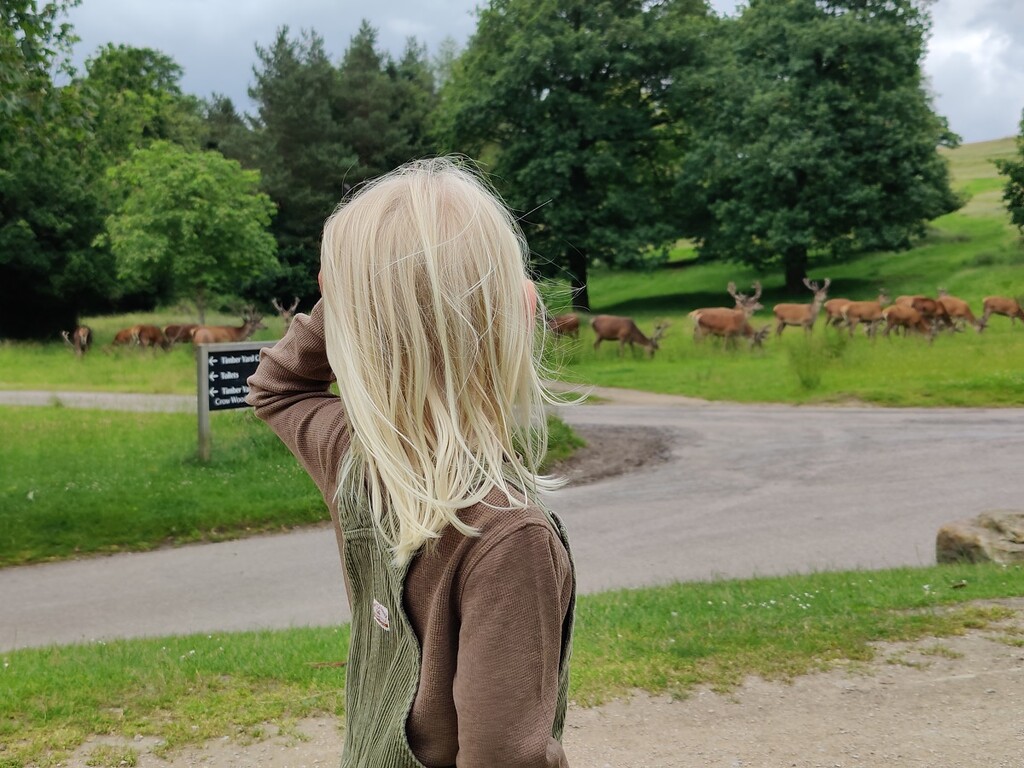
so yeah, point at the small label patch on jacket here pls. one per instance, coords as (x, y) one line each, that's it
(380, 615)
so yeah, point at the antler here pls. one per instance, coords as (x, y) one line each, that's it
(757, 291)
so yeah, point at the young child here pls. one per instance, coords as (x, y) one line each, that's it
(460, 583)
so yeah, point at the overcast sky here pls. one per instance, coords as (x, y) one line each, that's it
(975, 60)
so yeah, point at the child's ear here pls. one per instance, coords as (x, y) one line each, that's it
(531, 299)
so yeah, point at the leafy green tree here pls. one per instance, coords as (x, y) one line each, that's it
(48, 211)
(1013, 192)
(303, 157)
(569, 97)
(225, 130)
(815, 136)
(190, 224)
(137, 99)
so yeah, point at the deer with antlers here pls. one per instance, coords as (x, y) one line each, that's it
(730, 324)
(80, 340)
(803, 315)
(1001, 305)
(867, 312)
(252, 321)
(286, 314)
(625, 331)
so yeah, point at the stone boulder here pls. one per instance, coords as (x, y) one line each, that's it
(996, 537)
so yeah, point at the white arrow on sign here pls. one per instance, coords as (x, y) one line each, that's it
(214, 377)
(214, 391)
(212, 361)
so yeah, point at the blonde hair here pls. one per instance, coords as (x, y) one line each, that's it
(430, 337)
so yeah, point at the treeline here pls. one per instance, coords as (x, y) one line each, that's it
(799, 131)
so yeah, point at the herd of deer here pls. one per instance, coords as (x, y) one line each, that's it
(917, 313)
(142, 335)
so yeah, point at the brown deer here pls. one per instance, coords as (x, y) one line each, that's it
(180, 332)
(624, 330)
(959, 311)
(801, 314)
(80, 340)
(834, 311)
(905, 317)
(729, 324)
(212, 334)
(126, 336)
(1001, 305)
(286, 314)
(151, 336)
(868, 312)
(741, 299)
(564, 325)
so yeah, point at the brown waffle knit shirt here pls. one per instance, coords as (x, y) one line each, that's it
(490, 612)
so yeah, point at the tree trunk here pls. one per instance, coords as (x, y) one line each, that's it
(578, 280)
(796, 268)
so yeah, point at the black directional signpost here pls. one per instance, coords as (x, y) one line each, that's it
(221, 371)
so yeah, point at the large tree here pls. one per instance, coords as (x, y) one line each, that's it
(190, 224)
(48, 211)
(384, 104)
(1013, 191)
(298, 145)
(568, 97)
(816, 135)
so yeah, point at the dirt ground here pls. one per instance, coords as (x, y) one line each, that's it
(947, 703)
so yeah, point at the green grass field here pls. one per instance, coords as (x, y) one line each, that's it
(185, 690)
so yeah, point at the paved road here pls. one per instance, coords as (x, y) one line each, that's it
(749, 490)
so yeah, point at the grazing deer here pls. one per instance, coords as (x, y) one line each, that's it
(868, 312)
(151, 336)
(624, 330)
(126, 336)
(801, 314)
(905, 317)
(959, 311)
(211, 334)
(1000, 305)
(80, 340)
(834, 311)
(564, 325)
(180, 332)
(286, 314)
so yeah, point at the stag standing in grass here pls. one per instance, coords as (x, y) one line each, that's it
(624, 330)
(212, 334)
(80, 340)
(565, 325)
(730, 324)
(959, 312)
(803, 315)
(867, 312)
(1001, 305)
(286, 314)
(742, 300)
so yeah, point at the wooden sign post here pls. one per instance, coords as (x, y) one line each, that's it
(221, 373)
